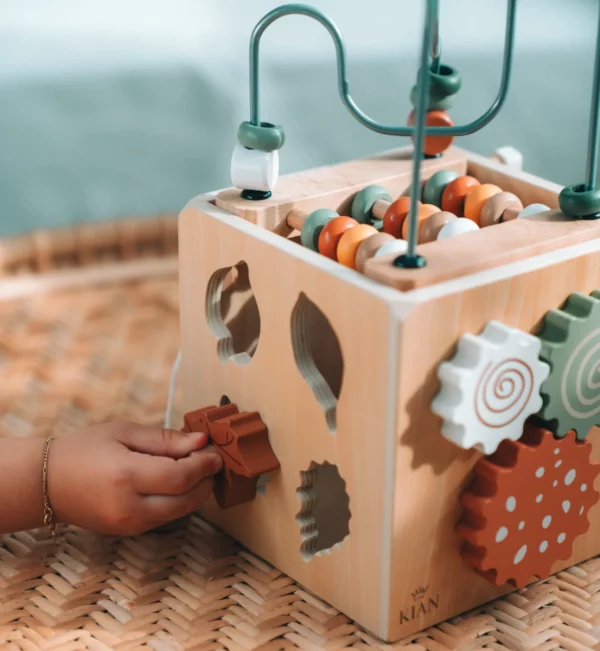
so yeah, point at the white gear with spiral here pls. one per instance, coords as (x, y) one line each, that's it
(490, 387)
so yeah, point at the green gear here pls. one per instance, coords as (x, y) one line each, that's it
(571, 346)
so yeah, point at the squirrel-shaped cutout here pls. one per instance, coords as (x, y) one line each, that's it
(242, 441)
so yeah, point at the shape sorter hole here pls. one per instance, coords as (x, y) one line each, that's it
(232, 314)
(324, 516)
(318, 356)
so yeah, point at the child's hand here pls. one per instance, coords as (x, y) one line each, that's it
(123, 478)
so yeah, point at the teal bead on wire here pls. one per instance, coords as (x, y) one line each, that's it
(576, 201)
(444, 85)
(266, 137)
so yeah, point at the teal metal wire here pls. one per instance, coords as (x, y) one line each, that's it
(411, 260)
(436, 47)
(343, 85)
(592, 156)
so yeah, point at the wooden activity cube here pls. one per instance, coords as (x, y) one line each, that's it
(343, 368)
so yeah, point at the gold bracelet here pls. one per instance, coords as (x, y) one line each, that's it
(48, 514)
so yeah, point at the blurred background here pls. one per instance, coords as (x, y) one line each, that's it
(125, 108)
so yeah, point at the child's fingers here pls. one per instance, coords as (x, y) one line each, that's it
(154, 475)
(164, 508)
(160, 441)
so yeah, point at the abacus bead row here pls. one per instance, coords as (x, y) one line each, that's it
(352, 244)
(487, 204)
(352, 241)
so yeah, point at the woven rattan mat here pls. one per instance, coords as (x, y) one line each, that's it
(68, 359)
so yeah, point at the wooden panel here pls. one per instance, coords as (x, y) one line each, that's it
(400, 475)
(271, 383)
(487, 248)
(431, 473)
(335, 186)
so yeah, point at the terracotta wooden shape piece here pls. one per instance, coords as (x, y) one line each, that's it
(527, 506)
(242, 441)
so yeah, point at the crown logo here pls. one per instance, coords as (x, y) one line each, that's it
(419, 593)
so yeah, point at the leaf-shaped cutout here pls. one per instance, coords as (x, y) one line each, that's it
(232, 314)
(318, 356)
(324, 516)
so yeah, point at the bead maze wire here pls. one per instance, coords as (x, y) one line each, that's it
(592, 157)
(410, 260)
(344, 86)
(580, 201)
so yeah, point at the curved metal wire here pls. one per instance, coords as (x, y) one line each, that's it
(343, 85)
(592, 156)
(411, 260)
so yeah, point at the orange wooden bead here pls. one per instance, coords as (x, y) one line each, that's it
(434, 145)
(331, 234)
(453, 197)
(476, 199)
(350, 241)
(395, 215)
(424, 213)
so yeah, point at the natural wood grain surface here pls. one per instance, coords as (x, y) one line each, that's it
(431, 472)
(486, 248)
(282, 273)
(403, 479)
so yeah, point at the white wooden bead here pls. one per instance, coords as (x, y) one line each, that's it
(397, 247)
(490, 387)
(252, 169)
(510, 157)
(457, 227)
(532, 209)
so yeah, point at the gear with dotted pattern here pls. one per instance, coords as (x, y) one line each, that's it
(527, 505)
(571, 346)
(490, 387)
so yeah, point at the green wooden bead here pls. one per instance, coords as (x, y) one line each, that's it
(445, 83)
(364, 200)
(266, 137)
(312, 227)
(576, 201)
(435, 186)
(433, 103)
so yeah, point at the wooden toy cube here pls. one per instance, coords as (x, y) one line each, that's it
(342, 368)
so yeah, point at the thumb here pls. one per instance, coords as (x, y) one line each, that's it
(160, 441)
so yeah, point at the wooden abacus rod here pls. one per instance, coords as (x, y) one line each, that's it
(295, 219)
(380, 207)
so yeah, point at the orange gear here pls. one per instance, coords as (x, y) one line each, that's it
(242, 441)
(527, 505)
